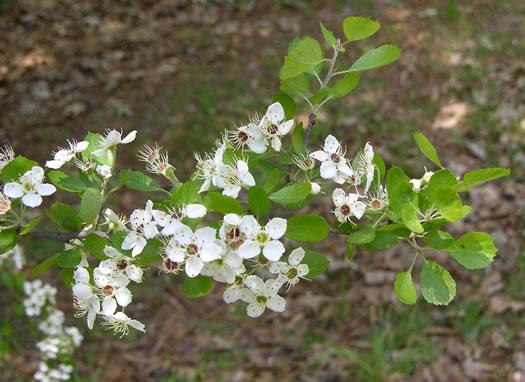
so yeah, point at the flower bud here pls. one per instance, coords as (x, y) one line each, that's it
(316, 188)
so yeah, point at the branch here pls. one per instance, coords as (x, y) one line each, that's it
(311, 118)
(65, 236)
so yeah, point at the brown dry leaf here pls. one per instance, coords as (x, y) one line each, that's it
(450, 116)
(500, 303)
(478, 370)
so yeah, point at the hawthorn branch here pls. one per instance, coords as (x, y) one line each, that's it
(65, 236)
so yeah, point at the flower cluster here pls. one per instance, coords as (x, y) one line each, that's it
(37, 295)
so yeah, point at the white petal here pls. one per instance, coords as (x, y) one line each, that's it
(139, 246)
(55, 164)
(276, 303)
(328, 170)
(37, 174)
(249, 249)
(275, 113)
(194, 266)
(369, 177)
(183, 235)
(248, 179)
(338, 197)
(302, 270)
(321, 156)
(351, 198)
(99, 152)
(232, 219)
(129, 241)
(205, 235)
(137, 325)
(256, 284)
(109, 305)
(331, 144)
(81, 275)
(296, 256)
(130, 137)
(345, 169)
(255, 309)
(82, 291)
(45, 189)
(278, 267)
(276, 143)
(14, 190)
(232, 192)
(161, 217)
(91, 318)
(205, 186)
(232, 260)
(123, 296)
(171, 228)
(111, 252)
(150, 230)
(32, 200)
(211, 252)
(249, 226)
(176, 254)
(242, 167)
(358, 209)
(194, 211)
(81, 146)
(285, 127)
(273, 250)
(231, 295)
(369, 153)
(258, 146)
(276, 228)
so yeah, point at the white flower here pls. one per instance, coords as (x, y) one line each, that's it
(30, 188)
(258, 238)
(426, 178)
(234, 291)
(250, 135)
(112, 285)
(116, 222)
(273, 125)
(143, 228)
(120, 322)
(194, 248)
(347, 206)
(333, 163)
(6, 155)
(86, 301)
(365, 165)
(262, 295)
(113, 138)
(208, 167)
(416, 185)
(124, 264)
(156, 162)
(291, 272)
(104, 171)
(62, 156)
(226, 268)
(316, 188)
(170, 221)
(232, 178)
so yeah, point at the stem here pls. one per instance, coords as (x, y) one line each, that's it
(65, 236)
(309, 129)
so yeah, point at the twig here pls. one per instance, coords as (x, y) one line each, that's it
(311, 118)
(65, 236)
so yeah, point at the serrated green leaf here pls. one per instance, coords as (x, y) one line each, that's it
(16, 168)
(405, 290)
(306, 55)
(141, 182)
(394, 177)
(316, 262)
(401, 196)
(328, 35)
(31, 224)
(66, 217)
(427, 148)
(67, 182)
(298, 138)
(69, 259)
(90, 205)
(258, 200)
(376, 58)
(287, 103)
(44, 266)
(197, 286)
(187, 193)
(364, 235)
(473, 178)
(437, 286)
(344, 86)
(384, 240)
(292, 193)
(95, 245)
(473, 250)
(307, 228)
(299, 86)
(358, 28)
(410, 218)
(223, 204)
(438, 239)
(272, 181)
(7, 240)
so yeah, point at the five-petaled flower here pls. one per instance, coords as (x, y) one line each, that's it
(30, 188)
(258, 238)
(333, 163)
(347, 206)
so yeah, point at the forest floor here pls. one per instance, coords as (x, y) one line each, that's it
(180, 71)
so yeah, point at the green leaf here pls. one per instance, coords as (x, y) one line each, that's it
(378, 161)
(67, 182)
(272, 181)
(473, 178)
(405, 290)
(410, 218)
(16, 168)
(95, 245)
(328, 35)
(364, 235)
(197, 286)
(298, 138)
(258, 200)
(66, 217)
(350, 251)
(401, 196)
(474, 250)
(223, 204)
(376, 58)
(442, 178)
(449, 204)
(68, 278)
(287, 103)
(141, 182)
(394, 177)
(358, 28)
(344, 86)
(69, 259)
(90, 205)
(384, 239)
(307, 228)
(427, 148)
(44, 266)
(320, 95)
(306, 55)
(31, 224)
(292, 193)
(437, 286)
(188, 193)
(7, 240)
(316, 262)
(298, 85)
(438, 239)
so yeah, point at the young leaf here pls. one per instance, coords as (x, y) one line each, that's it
(473, 250)
(94, 144)
(258, 200)
(394, 177)
(31, 224)
(473, 178)
(67, 182)
(307, 228)
(437, 286)
(44, 266)
(141, 182)
(69, 259)
(350, 251)
(358, 28)
(292, 193)
(401, 196)
(90, 205)
(298, 138)
(299, 85)
(287, 103)
(188, 193)
(364, 235)
(306, 55)
(427, 148)
(438, 239)
(328, 35)
(7, 240)
(316, 262)
(320, 95)
(15, 168)
(67, 217)
(345, 85)
(272, 181)
(95, 245)
(410, 218)
(405, 290)
(376, 58)
(223, 204)
(197, 286)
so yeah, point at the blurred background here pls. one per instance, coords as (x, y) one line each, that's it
(180, 71)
